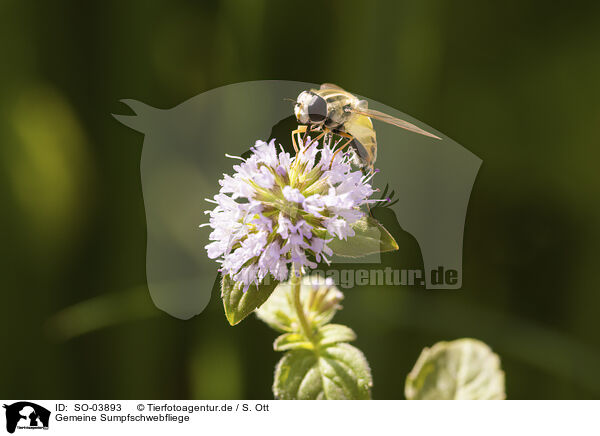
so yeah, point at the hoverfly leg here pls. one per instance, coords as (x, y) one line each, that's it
(312, 141)
(294, 141)
(306, 134)
(341, 148)
(299, 130)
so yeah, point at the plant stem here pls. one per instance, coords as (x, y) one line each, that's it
(296, 282)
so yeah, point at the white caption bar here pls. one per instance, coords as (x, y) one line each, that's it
(300, 417)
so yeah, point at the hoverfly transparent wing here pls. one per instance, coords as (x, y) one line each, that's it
(371, 113)
(330, 86)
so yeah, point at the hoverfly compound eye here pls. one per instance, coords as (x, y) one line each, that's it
(317, 109)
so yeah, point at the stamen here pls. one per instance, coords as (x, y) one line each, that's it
(368, 177)
(235, 157)
(375, 200)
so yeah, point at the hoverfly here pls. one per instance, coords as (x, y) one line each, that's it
(338, 112)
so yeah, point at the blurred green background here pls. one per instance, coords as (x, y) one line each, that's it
(515, 82)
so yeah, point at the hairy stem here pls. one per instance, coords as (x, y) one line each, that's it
(296, 281)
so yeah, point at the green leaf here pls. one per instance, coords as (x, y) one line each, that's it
(292, 341)
(277, 312)
(239, 304)
(370, 238)
(320, 301)
(338, 372)
(326, 335)
(334, 333)
(465, 369)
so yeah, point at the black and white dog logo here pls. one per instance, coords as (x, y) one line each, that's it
(26, 415)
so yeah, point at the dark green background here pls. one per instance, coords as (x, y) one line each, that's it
(515, 82)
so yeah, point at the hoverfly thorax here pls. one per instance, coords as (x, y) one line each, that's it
(310, 108)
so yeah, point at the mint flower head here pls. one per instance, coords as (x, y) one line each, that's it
(279, 210)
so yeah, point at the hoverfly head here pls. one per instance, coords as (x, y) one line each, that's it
(310, 108)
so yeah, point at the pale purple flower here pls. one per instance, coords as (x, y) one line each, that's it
(293, 194)
(279, 210)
